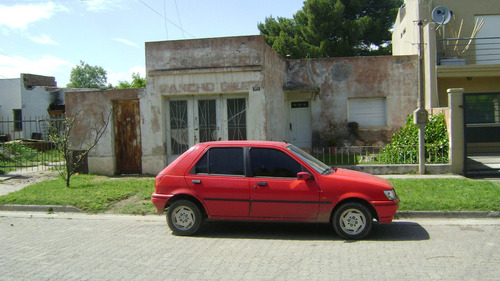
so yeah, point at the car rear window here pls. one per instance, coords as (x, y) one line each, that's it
(221, 161)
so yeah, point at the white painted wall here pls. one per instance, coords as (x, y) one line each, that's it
(10, 97)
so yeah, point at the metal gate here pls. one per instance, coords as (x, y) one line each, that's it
(482, 133)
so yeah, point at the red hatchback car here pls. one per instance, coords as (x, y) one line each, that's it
(268, 181)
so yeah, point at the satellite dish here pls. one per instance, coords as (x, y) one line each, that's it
(441, 15)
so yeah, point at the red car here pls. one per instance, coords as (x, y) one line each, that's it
(268, 181)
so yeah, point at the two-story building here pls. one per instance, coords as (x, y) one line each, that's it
(460, 43)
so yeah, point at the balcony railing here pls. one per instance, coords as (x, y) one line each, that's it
(466, 51)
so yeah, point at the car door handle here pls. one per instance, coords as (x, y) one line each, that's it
(196, 181)
(260, 183)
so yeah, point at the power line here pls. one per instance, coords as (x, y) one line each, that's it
(165, 18)
(179, 18)
(165, 13)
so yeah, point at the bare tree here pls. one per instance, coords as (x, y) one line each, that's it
(75, 150)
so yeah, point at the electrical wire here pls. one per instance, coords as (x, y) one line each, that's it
(174, 24)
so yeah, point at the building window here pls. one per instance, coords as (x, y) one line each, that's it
(179, 126)
(368, 112)
(207, 118)
(236, 119)
(18, 119)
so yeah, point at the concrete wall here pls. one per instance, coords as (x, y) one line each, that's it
(273, 78)
(217, 67)
(10, 98)
(32, 94)
(92, 109)
(338, 79)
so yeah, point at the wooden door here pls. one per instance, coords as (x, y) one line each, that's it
(127, 124)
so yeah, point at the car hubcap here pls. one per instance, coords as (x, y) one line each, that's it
(183, 217)
(352, 221)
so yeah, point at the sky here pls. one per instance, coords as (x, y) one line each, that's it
(52, 37)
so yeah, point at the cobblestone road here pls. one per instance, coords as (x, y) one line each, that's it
(106, 247)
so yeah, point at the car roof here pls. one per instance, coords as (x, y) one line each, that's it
(245, 143)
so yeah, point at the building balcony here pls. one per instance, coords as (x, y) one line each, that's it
(468, 57)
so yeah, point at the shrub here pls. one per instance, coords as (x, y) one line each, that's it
(403, 147)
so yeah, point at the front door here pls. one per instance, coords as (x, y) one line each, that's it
(275, 190)
(127, 122)
(300, 124)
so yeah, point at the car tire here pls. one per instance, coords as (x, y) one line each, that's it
(184, 218)
(352, 221)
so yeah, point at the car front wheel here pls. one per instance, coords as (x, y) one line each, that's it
(352, 221)
(184, 218)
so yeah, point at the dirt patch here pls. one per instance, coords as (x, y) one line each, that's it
(15, 181)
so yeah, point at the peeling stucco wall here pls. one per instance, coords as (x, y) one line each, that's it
(232, 67)
(338, 79)
(92, 109)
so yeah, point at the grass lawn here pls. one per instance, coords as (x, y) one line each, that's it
(447, 194)
(93, 194)
(99, 194)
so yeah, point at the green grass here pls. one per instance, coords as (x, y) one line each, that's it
(447, 195)
(99, 194)
(88, 193)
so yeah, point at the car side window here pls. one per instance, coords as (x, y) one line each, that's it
(267, 162)
(221, 161)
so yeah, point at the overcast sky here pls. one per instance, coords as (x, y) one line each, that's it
(51, 37)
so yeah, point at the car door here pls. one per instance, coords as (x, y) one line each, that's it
(219, 179)
(275, 190)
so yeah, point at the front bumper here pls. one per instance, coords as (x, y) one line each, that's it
(386, 210)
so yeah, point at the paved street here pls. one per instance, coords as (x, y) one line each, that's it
(40, 246)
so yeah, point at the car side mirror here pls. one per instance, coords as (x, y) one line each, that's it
(303, 176)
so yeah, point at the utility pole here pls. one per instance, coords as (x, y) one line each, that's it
(421, 115)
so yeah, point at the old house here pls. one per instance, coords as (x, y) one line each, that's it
(25, 105)
(238, 88)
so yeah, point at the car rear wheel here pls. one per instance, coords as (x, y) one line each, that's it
(184, 218)
(352, 221)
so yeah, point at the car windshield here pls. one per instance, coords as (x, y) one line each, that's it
(317, 165)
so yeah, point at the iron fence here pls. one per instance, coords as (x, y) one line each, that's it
(25, 144)
(371, 155)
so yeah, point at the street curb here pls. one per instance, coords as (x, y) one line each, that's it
(40, 208)
(398, 216)
(450, 214)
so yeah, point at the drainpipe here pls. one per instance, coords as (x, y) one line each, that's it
(421, 115)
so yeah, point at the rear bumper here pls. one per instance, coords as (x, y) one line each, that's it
(386, 210)
(160, 200)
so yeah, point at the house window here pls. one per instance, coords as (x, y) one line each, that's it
(207, 120)
(179, 126)
(192, 120)
(237, 119)
(18, 119)
(368, 112)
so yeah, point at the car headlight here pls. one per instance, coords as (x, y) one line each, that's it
(391, 194)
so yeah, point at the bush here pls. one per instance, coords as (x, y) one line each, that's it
(403, 147)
